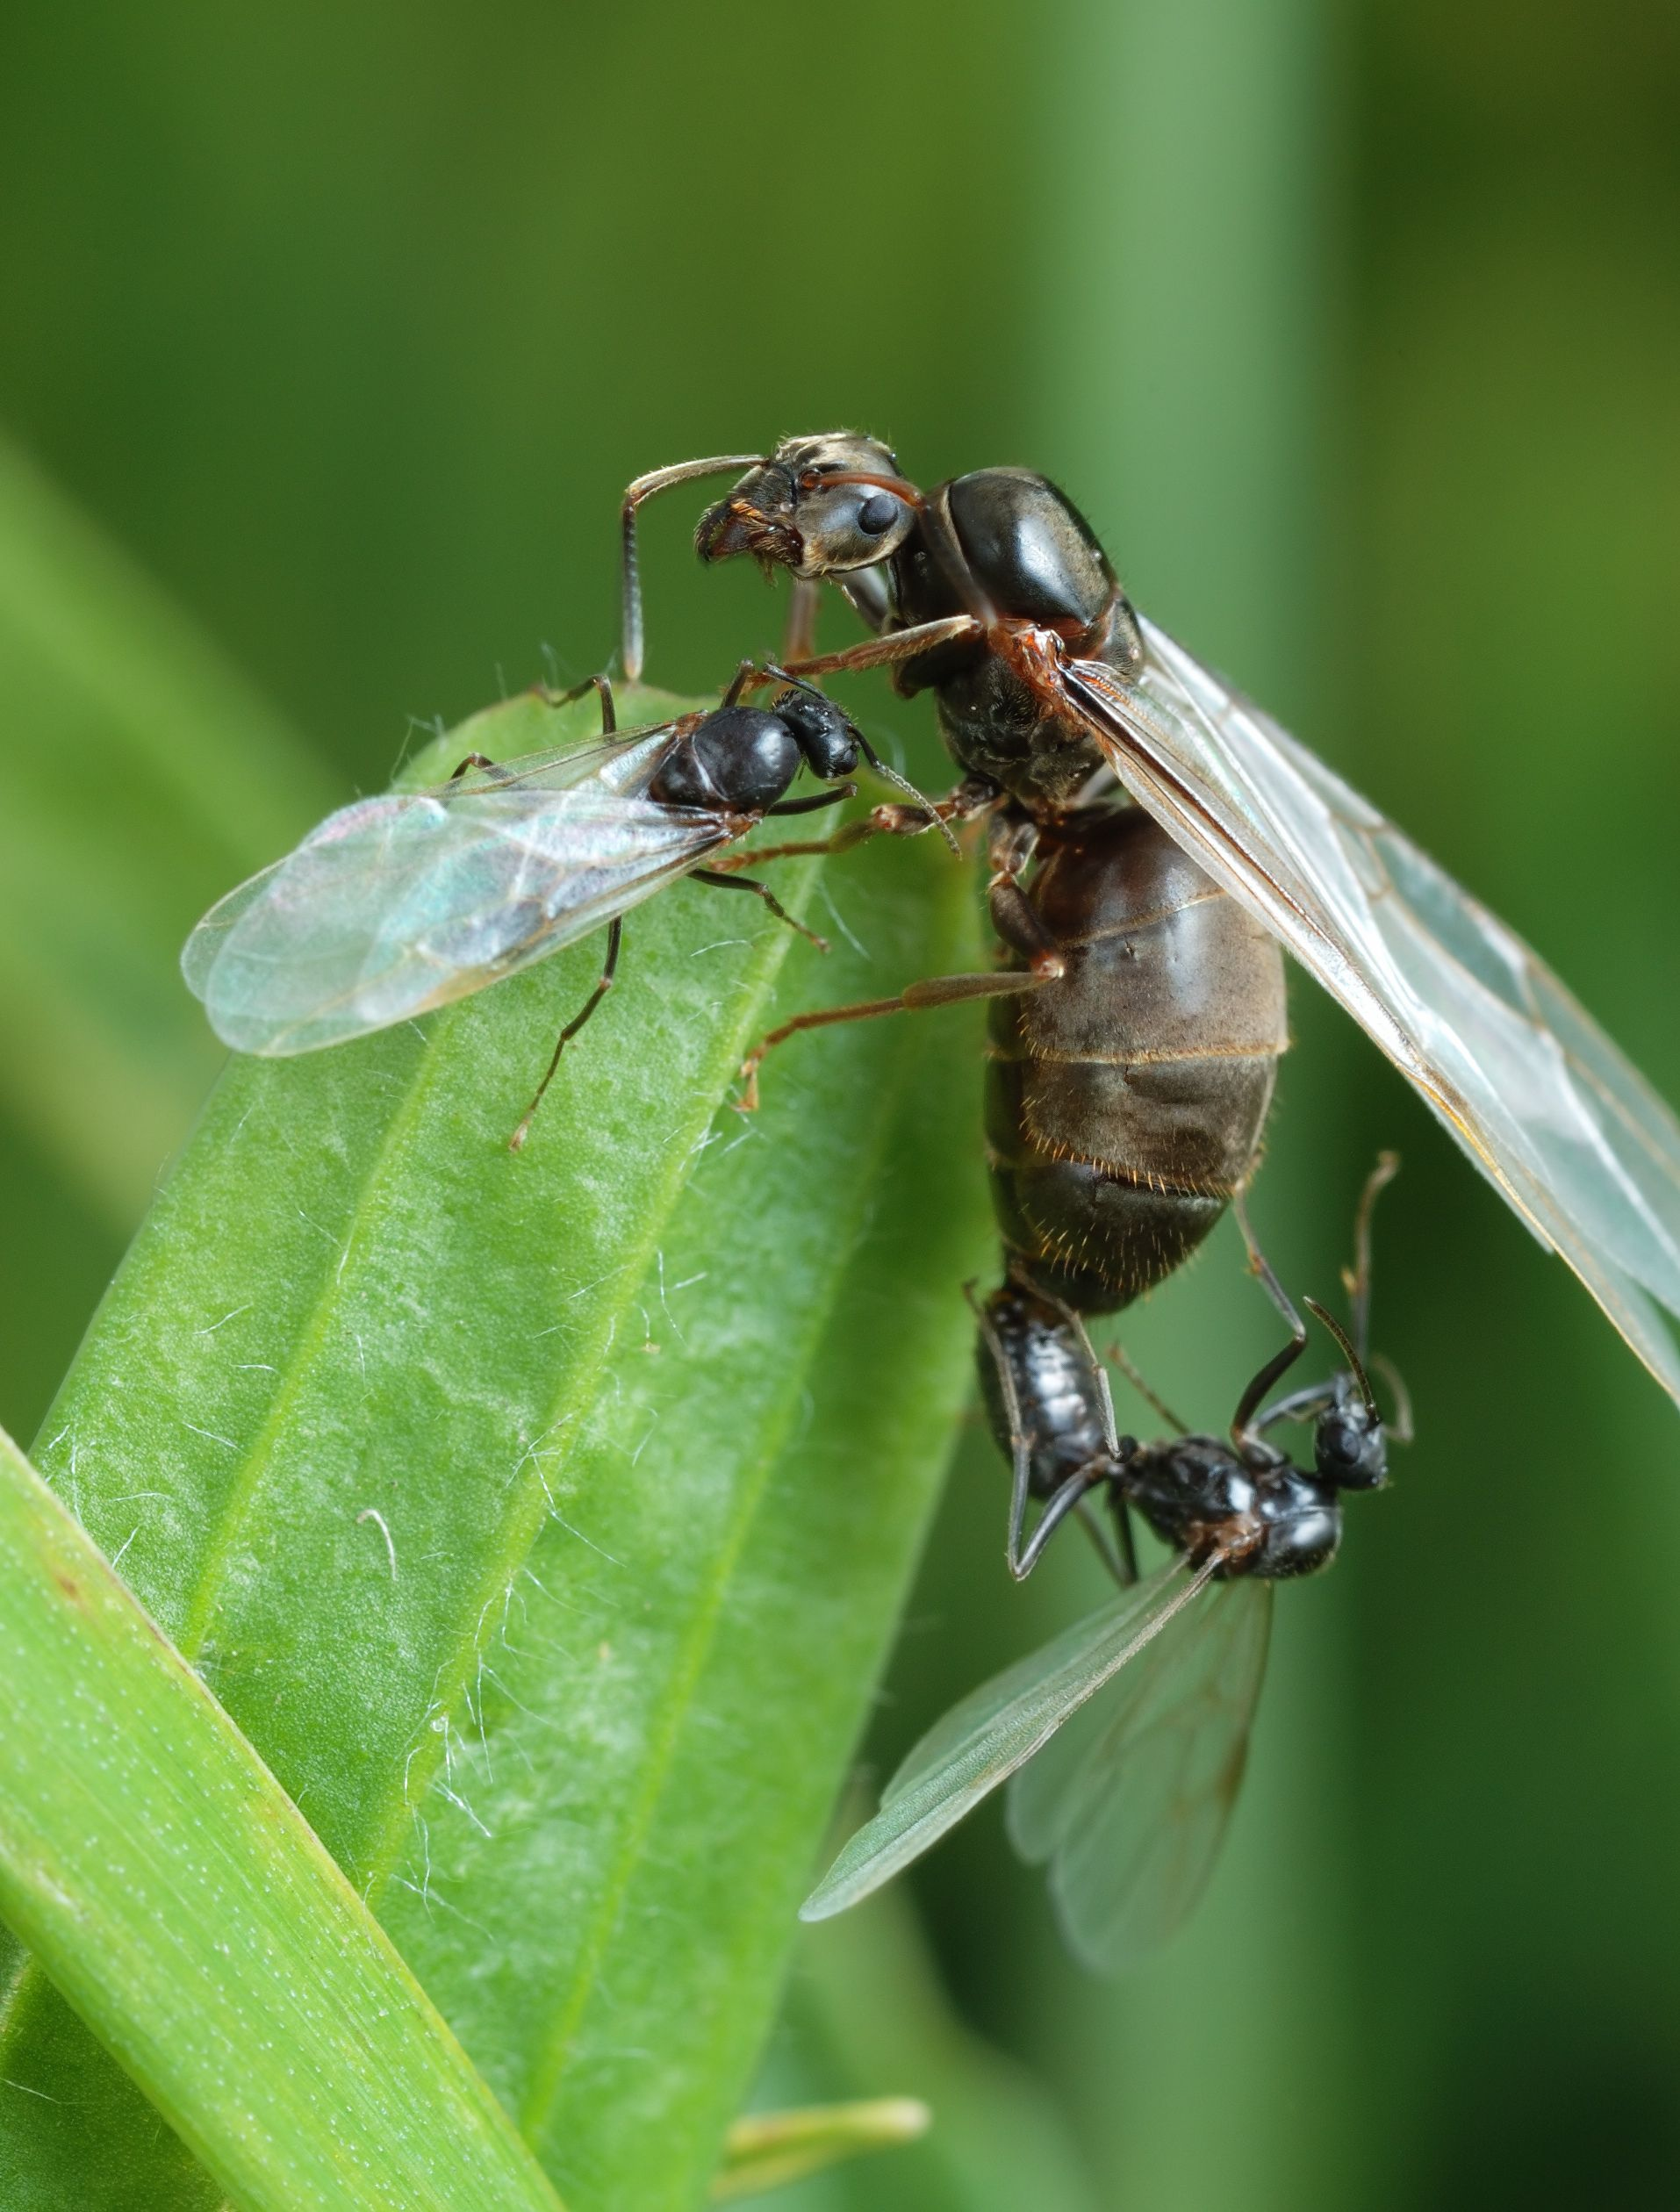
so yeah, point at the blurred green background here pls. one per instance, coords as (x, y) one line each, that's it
(1356, 330)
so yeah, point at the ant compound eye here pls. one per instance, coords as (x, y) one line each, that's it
(1351, 1451)
(876, 515)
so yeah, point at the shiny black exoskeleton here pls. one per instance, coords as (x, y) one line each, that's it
(998, 542)
(734, 763)
(1196, 1493)
(742, 759)
(1242, 1502)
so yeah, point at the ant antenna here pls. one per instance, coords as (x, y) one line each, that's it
(1359, 1290)
(886, 774)
(644, 488)
(1241, 1433)
(1122, 1358)
(1356, 1365)
(1400, 1428)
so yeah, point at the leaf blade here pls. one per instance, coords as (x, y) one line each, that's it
(353, 1331)
(190, 1914)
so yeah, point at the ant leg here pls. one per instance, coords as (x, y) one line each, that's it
(968, 800)
(1129, 1549)
(799, 638)
(602, 686)
(938, 990)
(1068, 1495)
(928, 809)
(972, 797)
(1400, 1429)
(1307, 1405)
(643, 488)
(1300, 1405)
(886, 652)
(745, 678)
(1242, 1432)
(1122, 1358)
(1120, 1560)
(614, 939)
(855, 833)
(813, 804)
(1359, 1283)
(1074, 1322)
(720, 882)
(1010, 844)
(1020, 1449)
(481, 760)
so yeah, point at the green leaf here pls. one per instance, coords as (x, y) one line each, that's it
(767, 2149)
(143, 776)
(187, 1910)
(542, 1520)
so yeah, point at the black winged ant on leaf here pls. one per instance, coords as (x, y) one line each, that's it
(1123, 1742)
(404, 903)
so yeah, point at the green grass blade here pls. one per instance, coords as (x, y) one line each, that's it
(651, 1417)
(186, 1909)
(143, 776)
(768, 2150)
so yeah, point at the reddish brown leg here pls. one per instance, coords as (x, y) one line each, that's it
(602, 685)
(721, 882)
(842, 841)
(609, 968)
(971, 798)
(882, 652)
(935, 990)
(644, 488)
(799, 638)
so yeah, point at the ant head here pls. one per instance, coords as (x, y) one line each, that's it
(1350, 1446)
(826, 736)
(819, 507)
(1350, 1443)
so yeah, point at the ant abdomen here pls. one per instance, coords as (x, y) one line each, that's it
(1125, 1101)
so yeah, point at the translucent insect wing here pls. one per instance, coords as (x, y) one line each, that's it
(624, 763)
(1130, 1804)
(981, 1742)
(1542, 1102)
(399, 904)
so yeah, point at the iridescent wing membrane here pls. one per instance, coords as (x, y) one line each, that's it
(1006, 1721)
(401, 903)
(1128, 1805)
(1535, 1093)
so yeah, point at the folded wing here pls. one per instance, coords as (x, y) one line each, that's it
(1129, 1803)
(981, 1742)
(399, 904)
(1542, 1100)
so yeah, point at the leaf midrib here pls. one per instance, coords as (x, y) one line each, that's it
(552, 2049)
